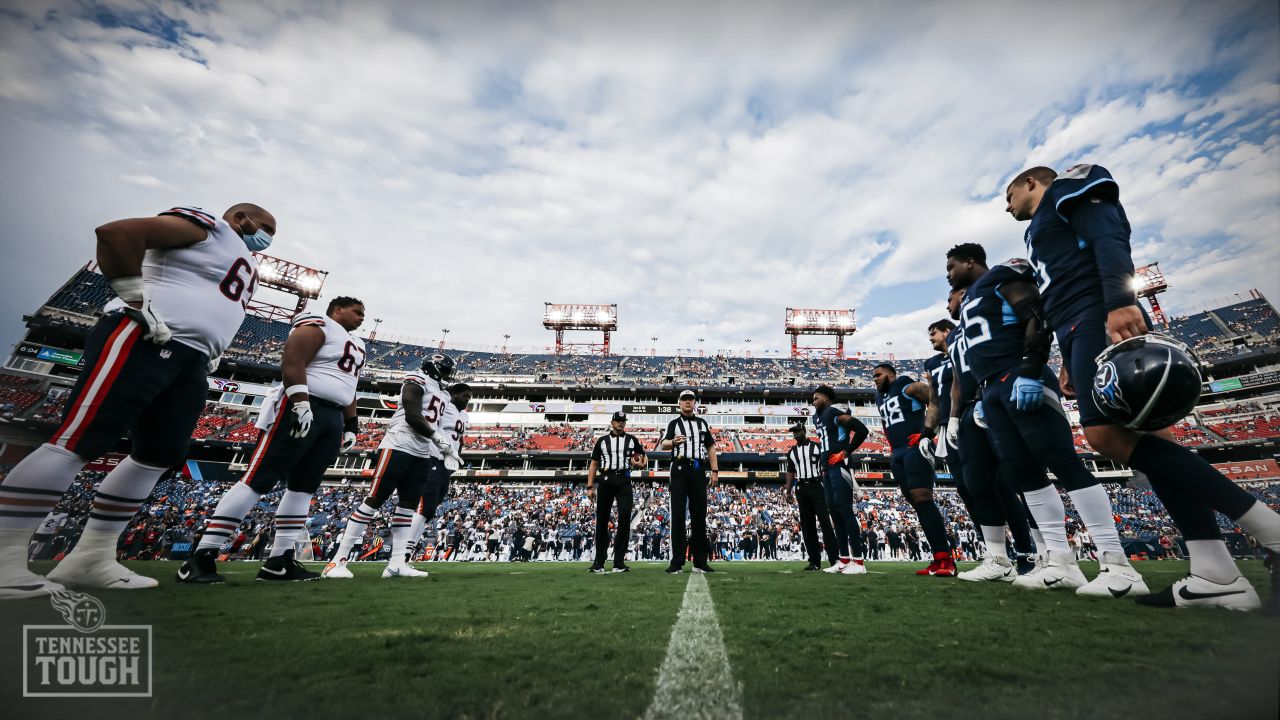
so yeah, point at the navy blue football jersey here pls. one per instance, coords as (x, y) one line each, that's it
(959, 364)
(901, 414)
(1070, 269)
(831, 437)
(993, 335)
(940, 373)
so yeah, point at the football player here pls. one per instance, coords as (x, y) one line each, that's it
(1006, 346)
(412, 448)
(1078, 240)
(454, 425)
(906, 407)
(303, 426)
(839, 435)
(183, 280)
(994, 500)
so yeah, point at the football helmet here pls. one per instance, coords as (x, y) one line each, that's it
(1148, 382)
(438, 367)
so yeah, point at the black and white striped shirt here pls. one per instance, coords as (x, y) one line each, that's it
(613, 452)
(805, 460)
(697, 438)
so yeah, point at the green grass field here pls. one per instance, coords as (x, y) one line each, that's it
(549, 640)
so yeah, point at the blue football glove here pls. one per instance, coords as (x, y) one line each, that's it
(1027, 394)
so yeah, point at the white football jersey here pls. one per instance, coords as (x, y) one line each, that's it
(332, 374)
(201, 291)
(401, 436)
(454, 424)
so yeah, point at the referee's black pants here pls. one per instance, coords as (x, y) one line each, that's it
(812, 500)
(689, 491)
(614, 485)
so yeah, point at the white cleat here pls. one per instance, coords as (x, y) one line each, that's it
(336, 570)
(403, 571)
(19, 583)
(837, 568)
(1116, 579)
(1054, 571)
(98, 571)
(854, 568)
(993, 568)
(1194, 591)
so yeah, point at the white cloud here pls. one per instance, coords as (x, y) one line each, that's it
(703, 167)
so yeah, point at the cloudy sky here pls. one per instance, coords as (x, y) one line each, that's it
(458, 164)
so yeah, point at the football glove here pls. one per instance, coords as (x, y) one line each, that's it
(1028, 393)
(214, 362)
(953, 432)
(442, 443)
(926, 449)
(847, 474)
(302, 418)
(348, 441)
(452, 461)
(130, 290)
(979, 418)
(837, 458)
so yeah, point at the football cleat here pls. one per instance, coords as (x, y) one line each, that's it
(403, 571)
(1026, 563)
(811, 567)
(596, 569)
(284, 568)
(100, 571)
(621, 568)
(1195, 591)
(1116, 578)
(1054, 571)
(201, 569)
(19, 583)
(854, 567)
(673, 570)
(336, 570)
(942, 566)
(837, 567)
(993, 568)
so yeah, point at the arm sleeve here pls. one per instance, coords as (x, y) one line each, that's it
(1023, 297)
(595, 451)
(637, 448)
(791, 466)
(1100, 224)
(708, 439)
(859, 434)
(671, 430)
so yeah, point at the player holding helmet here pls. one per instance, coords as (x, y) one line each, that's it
(1078, 240)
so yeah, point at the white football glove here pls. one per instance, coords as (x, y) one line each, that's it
(302, 418)
(979, 417)
(130, 290)
(214, 362)
(452, 462)
(953, 432)
(442, 443)
(858, 492)
(926, 449)
(348, 441)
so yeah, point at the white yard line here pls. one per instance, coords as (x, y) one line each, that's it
(695, 681)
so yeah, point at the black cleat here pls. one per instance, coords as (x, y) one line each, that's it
(596, 569)
(674, 570)
(812, 567)
(201, 569)
(283, 568)
(1160, 599)
(1025, 564)
(621, 567)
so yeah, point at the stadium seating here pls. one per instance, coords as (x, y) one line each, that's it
(85, 293)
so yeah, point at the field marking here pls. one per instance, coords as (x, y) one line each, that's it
(695, 680)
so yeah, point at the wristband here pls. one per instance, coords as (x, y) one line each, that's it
(295, 389)
(351, 424)
(128, 288)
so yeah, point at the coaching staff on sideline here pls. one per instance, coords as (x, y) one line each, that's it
(612, 455)
(804, 473)
(693, 453)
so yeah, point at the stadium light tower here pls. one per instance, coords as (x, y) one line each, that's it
(801, 321)
(572, 316)
(290, 278)
(1148, 282)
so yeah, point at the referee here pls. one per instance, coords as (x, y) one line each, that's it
(804, 473)
(693, 453)
(612, 455)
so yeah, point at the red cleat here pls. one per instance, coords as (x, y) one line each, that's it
(942, 566)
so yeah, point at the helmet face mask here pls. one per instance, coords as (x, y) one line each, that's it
(1147, 383)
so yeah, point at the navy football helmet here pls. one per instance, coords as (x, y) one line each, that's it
(1148, 382)
(439, 367)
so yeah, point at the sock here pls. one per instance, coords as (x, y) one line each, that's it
(1045, 505)
(401, 532)
(119, 496)
(1094, 506)
(1211, 560)
(1263, 524)
(291, 521)
(993, 536)
(1038, 538)
(935, 530)
(359, 520)
(228, 515)
(35, 485)
(415, 532)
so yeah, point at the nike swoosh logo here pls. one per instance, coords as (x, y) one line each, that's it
(1192, 595)
(281, 571)
(21, 587)
(1120, 593)
(1051, 583)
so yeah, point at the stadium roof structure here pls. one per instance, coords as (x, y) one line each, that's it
(804, 321)
(290, 278)
(577, 316)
